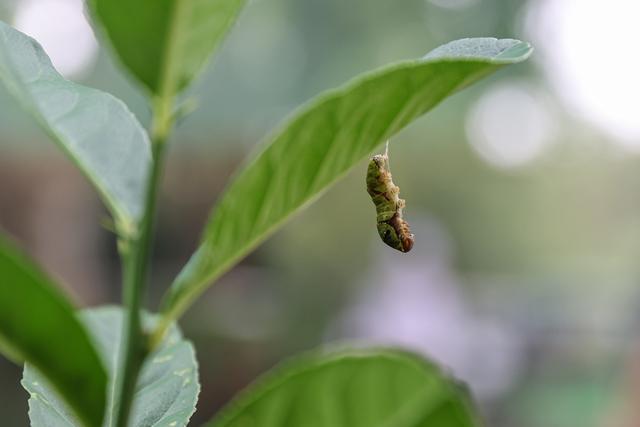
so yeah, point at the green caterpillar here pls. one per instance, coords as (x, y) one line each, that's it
(392, 228)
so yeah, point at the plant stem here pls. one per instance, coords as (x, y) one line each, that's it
(136, 253)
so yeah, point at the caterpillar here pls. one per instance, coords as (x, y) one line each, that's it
(392, 228)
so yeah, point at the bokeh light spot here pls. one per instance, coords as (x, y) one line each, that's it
(589, 51)
(510, 126)
(63, 31)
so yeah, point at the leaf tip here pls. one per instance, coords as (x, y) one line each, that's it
(517, 52)
(501, 51)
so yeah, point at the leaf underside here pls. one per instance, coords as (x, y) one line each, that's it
(321, 142)
(166, 393)
(95, 129)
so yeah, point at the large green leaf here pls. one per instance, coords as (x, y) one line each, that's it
(167, 389)
(352, 388)
(322, 142)
(95, 129)
(39, 326)
(165, 42)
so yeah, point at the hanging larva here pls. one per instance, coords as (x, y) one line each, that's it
(392, 228)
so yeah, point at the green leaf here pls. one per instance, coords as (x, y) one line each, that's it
(321, 142)
(165, 43)
(95, 129)
(352, 388)
(167, 389)
(39, 326)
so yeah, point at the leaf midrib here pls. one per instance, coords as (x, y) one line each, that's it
(167, 79)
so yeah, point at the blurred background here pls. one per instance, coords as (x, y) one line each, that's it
(523, 193)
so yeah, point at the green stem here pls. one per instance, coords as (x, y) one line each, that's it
(136, 253)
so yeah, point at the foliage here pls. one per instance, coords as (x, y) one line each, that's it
(321, 142)
(354, 388)
(95, 129)
(167, 390)
(122, 367)
(38, 325)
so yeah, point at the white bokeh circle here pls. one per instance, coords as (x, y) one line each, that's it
(589, 52)
(61, 28)
(510, 125)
